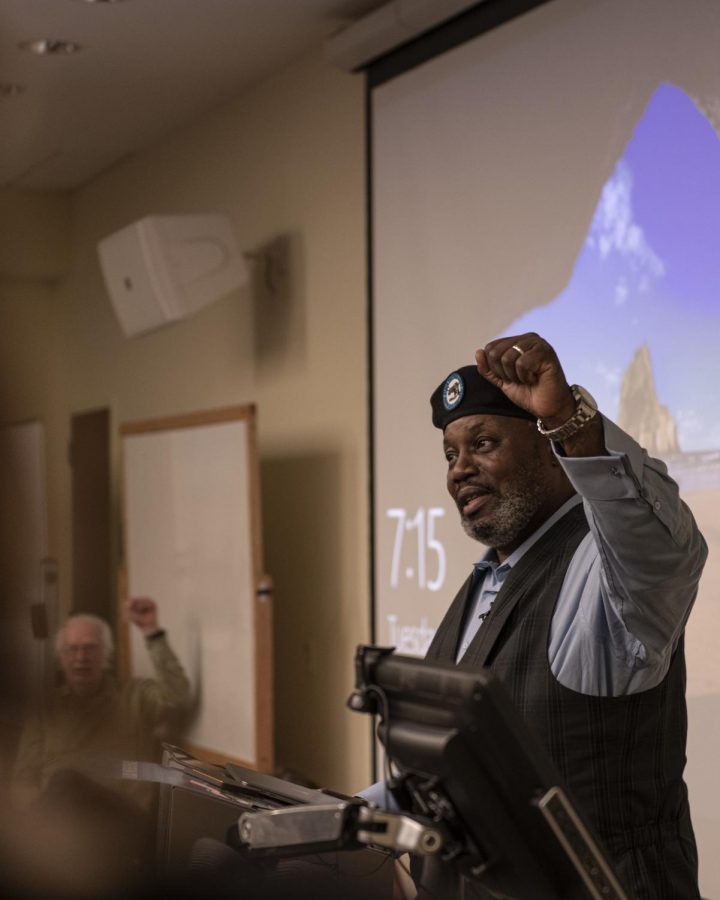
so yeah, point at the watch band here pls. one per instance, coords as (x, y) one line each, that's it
(585, 410)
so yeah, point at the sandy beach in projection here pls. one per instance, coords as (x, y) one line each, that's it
(704, 627)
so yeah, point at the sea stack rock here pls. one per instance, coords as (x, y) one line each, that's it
(641, 414)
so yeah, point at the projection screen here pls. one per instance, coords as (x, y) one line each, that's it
(558, 174)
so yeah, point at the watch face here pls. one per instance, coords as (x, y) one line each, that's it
(584, 396)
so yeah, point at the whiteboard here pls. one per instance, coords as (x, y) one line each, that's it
(192, 543)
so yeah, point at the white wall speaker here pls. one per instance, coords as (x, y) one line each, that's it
(163, 268)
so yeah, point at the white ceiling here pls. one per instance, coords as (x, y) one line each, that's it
(145, 68)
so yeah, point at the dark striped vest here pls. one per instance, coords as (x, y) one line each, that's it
(621, 757)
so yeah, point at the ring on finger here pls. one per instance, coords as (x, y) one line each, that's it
(519, 349)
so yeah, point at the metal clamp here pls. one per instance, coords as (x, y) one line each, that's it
(397, 832)
(334, 825)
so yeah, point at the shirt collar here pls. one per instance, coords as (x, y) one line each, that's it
(489, 559)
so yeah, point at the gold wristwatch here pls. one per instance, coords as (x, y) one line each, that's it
(585, 409)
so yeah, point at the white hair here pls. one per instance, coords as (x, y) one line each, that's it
(104, 632)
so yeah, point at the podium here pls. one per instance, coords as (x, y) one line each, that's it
(478, 798)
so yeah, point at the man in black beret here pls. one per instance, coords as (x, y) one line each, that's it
(580, 602)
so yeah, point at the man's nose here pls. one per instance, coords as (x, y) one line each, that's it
(464, 465)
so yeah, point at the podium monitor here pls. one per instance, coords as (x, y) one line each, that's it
(460, 755)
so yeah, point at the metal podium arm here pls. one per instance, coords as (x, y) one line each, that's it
(310, 829)
(397, 832)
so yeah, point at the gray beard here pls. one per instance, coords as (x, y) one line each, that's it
(516, 509)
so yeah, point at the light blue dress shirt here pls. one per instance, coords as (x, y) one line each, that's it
(631, 583)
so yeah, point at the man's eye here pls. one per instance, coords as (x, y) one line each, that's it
(450, 456)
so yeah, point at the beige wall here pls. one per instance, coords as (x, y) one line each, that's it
(285, 158)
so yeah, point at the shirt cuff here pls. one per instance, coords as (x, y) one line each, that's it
(379, 795)
(614, 477)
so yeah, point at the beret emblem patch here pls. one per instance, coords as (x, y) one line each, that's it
(453, 390)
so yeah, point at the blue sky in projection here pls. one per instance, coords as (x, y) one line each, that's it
(649, 273)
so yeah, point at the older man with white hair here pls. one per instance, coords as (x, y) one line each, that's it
(92, 715)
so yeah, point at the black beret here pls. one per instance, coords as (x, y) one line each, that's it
(466, 393)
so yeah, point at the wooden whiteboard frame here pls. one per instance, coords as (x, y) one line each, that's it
(262, 599)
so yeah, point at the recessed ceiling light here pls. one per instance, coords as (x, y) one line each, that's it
(10, 89)
(50, 47)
